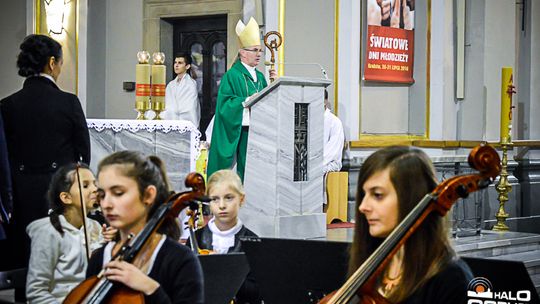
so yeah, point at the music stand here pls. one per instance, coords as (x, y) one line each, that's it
(296, 271)
(224, 274)
(504, 276)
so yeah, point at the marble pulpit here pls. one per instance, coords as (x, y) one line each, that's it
(176, 142)
(284, 168)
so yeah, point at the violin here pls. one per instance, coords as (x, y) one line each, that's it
(361, 286)
(193, 214)
(98, 289)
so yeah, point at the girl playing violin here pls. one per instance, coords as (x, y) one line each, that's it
(425, 270)
(223, 232)
(58, 259)
(131, 188)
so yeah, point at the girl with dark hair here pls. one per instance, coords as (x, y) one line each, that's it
(181, 97)
(131, 188)
(425, 270)
(45, 129)
(58, 258)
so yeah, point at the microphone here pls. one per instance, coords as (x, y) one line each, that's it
(323, 71)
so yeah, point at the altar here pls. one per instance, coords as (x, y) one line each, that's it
(176, 142)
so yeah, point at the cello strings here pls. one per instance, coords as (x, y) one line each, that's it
(360, 276)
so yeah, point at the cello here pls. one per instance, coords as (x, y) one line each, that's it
(361, 285)
(137, 251)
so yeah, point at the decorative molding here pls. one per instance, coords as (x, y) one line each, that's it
(382, 141)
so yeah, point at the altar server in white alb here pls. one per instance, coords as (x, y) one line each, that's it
(334, 138)
(181, 99)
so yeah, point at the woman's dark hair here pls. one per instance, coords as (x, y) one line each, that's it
(146, 171)
(61, 181)
(35, 53)
(428, 250)
(188, 60)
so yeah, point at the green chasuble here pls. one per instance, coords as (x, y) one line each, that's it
(227, 144)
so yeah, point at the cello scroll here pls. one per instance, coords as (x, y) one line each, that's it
(482, 158)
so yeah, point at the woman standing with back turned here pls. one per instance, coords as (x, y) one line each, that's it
(45, 128)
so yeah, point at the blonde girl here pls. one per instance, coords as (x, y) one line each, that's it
(224, 231)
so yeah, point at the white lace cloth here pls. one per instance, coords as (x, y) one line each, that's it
(165, 126)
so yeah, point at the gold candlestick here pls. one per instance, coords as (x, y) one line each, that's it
(158, 84)
(504, 187)
(142, 87)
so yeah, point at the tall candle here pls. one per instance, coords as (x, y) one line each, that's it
(158, 83)
(506, 104)
(142, 87)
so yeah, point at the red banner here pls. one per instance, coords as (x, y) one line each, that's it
(390, 48)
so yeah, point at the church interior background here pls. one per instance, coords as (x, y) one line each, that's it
(453, 105)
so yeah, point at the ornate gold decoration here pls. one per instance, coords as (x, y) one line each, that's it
(273, 45)
(504, 187)
(158, 84)
(143, 57)
(142, 87)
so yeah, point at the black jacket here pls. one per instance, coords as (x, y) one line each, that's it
(204, 238)
(45, 128)
(176, 269)
(447, 287)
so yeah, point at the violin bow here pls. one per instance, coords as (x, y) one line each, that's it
(83, 210)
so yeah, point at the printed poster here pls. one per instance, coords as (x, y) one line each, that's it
(390, 41)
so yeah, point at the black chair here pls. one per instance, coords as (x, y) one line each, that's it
(14, 279)
(224, 274)
(296, 271)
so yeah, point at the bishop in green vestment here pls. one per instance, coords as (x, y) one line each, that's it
(231, 120)
(229, 137)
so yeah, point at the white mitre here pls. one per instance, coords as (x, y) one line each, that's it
(248, 34)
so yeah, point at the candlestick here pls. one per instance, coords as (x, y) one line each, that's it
(142, 87)
(504, 187)
(158, 84)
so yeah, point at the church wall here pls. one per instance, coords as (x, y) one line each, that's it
(378, 108)
(123, 40)
(500, 42)
(401, 107)
(528, 90)
(348, 101)
(534, 84)
(441, 99)
(309, 39)
(13, 29)
(471, 110)
(96, 56)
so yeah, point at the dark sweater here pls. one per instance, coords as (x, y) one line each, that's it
(176, 269)
(447, 287)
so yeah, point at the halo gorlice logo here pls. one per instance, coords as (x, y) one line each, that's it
(480, 291)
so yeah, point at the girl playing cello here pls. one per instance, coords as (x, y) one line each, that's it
(425, 270)
(131, 188)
